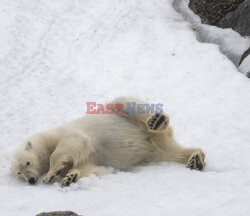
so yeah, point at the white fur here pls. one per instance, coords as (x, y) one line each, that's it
(83, 146)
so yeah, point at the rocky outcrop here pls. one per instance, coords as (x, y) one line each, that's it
(245, 54)
(212, 11)
(244, 64)
(233, 14)
(58, 213)
(239, 20)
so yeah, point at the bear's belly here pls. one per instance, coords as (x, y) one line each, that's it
(117, 142)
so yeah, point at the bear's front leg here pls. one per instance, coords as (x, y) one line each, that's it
(85, 170)
(72, 176)
(56, 168)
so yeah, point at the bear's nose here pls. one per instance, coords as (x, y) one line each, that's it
(32, 180)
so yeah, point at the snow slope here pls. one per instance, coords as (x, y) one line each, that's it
(57, 55)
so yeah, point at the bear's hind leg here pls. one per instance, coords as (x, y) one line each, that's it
(148, 120)
(151, 122)
(157, 123)
(196, 161)
(192, 157)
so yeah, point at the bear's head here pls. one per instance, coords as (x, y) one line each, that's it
(25, 163)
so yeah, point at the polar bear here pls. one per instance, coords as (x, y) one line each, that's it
(88, 144)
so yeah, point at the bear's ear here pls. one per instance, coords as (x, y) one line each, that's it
(28, 146)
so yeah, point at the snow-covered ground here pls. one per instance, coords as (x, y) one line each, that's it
(57, 55)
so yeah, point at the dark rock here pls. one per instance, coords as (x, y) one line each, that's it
(244, 64)
(212, 11)
(58, 213)
(245, 54)
(239, 20)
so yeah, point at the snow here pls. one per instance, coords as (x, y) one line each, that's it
(57, 55)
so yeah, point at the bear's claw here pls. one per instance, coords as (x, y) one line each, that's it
(48, 180)
(157, 122)
(68, 179)
(196, 161)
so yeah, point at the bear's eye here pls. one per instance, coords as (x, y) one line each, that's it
(18, 173)
(28, 163)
